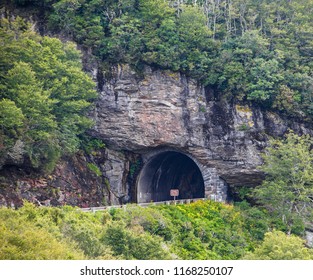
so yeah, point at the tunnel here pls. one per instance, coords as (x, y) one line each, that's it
(166, 171)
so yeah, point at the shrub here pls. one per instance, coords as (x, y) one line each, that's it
(280, 246)
(23, 240)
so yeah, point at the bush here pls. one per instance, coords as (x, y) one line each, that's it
(280, 246)
(134, 243)
(23, 240)
(201, 230)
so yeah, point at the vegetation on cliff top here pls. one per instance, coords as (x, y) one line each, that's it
(259, 51)
(252, 51)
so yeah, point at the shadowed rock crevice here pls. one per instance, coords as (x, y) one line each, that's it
(166, 171)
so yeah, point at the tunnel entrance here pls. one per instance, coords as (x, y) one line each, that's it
(166, 171)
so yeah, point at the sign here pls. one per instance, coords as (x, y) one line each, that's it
(174, 192)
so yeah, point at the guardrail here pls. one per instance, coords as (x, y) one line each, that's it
(147, 204)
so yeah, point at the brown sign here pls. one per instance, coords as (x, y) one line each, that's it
(174, 192)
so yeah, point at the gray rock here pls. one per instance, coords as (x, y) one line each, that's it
(167, 110)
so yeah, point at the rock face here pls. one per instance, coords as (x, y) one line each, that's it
(162, 131)
(73, 182)
(160, 110)
(145, 119)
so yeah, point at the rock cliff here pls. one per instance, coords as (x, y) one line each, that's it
(146, 119)
(161, 110)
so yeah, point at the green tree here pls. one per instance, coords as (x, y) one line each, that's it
(288, 189)
(43, 83)
(11, 117)
(279, 246)
(134, 243)
(22, 239)
(32, 99)
(11, 124)
(254, 51)
(265, 78)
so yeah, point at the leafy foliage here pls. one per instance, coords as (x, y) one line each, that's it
(288, 189)
(94, 168)
(134, 243)
(252, 51)
(256, 51)
(21, 239)
(201, 230)
(279, 246)
(44, 94)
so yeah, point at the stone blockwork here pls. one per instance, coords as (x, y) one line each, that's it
(215, 187)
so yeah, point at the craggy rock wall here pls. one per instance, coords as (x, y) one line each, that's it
(142, 115)
(71, 183)
(160, 110)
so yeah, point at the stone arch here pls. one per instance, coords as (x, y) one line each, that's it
(169, 169)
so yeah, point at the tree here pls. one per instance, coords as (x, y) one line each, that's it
(11, 123)
(22, 239)
(134, 243)
(279, 246)
(287, 191)
(44, 95)
(11, 116)
(249, 50)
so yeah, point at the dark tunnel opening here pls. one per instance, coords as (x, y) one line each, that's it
(166, 171)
